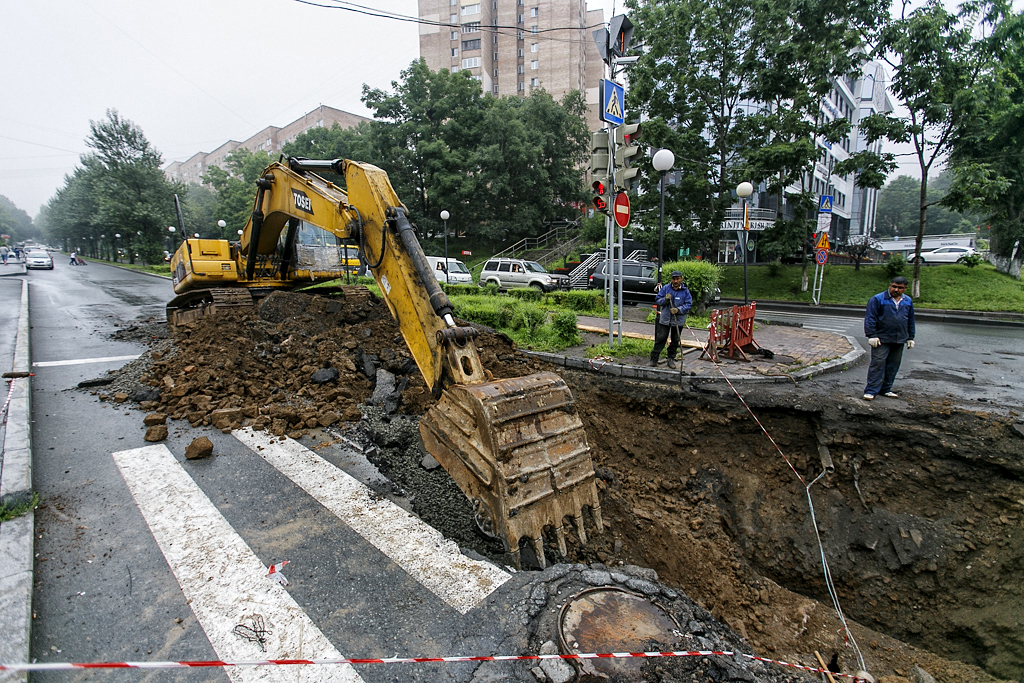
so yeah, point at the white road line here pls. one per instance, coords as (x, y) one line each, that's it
(81, 361)
(413, 545)
(221, 577)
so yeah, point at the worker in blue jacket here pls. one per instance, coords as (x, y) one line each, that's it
(889, 327)
(674, 302)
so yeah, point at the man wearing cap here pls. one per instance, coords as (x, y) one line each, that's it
(674, 302)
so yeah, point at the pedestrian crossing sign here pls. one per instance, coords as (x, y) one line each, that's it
(613, 105)
(825, 204)
(822, 242)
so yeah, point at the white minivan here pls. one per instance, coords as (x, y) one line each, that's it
(456, 274)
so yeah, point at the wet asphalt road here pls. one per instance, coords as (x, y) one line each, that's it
(105, 591)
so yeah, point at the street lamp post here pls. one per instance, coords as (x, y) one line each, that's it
(117, 247)
(744, 190)
(444, 217)
(221, 224)
(663, 160)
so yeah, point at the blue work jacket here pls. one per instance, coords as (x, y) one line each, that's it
(667, 299)
(891, 324)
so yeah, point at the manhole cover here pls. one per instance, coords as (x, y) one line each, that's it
(610, 619)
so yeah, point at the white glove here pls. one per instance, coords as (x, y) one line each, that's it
(874, 342)
(674, 311)
(910, 343)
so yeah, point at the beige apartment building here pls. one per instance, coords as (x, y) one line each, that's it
(514, 46)
(271, 139)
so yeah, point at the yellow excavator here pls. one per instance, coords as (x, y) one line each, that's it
(516, 447)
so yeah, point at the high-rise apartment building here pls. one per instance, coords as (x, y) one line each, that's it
(514, 46)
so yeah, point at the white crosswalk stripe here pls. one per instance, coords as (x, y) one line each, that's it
(838, 325)
(413, 545)
(223, 580)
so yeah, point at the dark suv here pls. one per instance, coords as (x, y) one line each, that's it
(639, 279)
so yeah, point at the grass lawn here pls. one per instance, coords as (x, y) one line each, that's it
(954, 286)
(159, 269)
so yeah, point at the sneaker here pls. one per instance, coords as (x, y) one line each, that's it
(654, 363)
(869, 397)
(671, 363)
(891, 394)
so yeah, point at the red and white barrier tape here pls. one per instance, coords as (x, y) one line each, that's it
(55, 666)
(10, 392)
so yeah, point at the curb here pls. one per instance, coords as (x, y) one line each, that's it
(676, 377)
(938, 315)
(16, 545)
(19, 269)
(130, 270)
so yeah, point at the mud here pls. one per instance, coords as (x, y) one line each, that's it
(919, 516)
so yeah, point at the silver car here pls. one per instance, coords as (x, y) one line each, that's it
(37, 258)
(508, 273)
(944, 254)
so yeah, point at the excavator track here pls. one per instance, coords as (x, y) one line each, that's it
(194, 305)
(518, 450)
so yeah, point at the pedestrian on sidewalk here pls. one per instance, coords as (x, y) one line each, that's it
(674, 302)
(889, 327)
(74, 259)
(3, 253)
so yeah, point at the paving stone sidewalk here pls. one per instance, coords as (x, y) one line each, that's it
(798, 354)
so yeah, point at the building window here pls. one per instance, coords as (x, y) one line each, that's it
(470, 10)
(494, 39)
(519, 35)
(520, 52)
(495, 73)
(535, 64)
(470, 62)
(455, 52)
(519, 18)
(534, 82)
(521, 69)
(454, 35)
(495, 56)
(522, 86)
(495, 89)
(455, 69)
(470, 45)
(471, 27)
(534, 47)
(534, 29)
(533, 11)
(453, 18)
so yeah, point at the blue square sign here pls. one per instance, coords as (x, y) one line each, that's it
(825, 204)
(613, 103)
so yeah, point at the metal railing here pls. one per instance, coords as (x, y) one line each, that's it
(735, 213)
(556, 236)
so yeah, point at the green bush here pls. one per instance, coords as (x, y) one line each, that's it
(896, 264)
(528, 319)
(526, 294)
(565, 328)
(699, 276)
(970, 260)
(579, 300)
(456, 290)
(775, 268)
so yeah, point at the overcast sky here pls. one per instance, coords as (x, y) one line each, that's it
(192, 74)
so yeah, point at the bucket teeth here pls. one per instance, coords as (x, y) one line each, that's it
(580, 531)
(560, 534)
(598, 522)
(538, 548)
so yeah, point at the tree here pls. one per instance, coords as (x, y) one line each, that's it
(986, 164)
(688, 85)
(16, 223)
(936, 62)
(236, 188)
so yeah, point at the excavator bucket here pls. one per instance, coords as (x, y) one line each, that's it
(517, 449)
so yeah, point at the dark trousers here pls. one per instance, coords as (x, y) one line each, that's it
(661, 335)
(885, 363)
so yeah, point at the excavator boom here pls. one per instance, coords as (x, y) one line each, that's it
(516, 447)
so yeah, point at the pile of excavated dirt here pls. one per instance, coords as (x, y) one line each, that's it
(920, 519)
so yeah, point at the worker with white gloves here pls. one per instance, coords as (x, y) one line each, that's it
(889, 327)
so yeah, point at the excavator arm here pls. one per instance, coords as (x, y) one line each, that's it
(516, 447)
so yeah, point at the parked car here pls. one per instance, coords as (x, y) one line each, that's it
(37, 258)
(944, 254)
(509, 273)
(456, 273)
(639, 279)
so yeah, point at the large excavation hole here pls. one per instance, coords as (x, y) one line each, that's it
(920, 521)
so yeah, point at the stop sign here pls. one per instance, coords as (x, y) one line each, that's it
(620, 209)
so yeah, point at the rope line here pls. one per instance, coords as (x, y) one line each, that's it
(827, 572)
(59, 666)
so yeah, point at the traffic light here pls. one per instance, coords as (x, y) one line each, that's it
(626, 151)
(599, 155)
(620, 32)
(599, 202)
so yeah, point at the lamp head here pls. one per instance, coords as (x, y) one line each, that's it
(663, 160)
(744, 190)
(445, 215)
